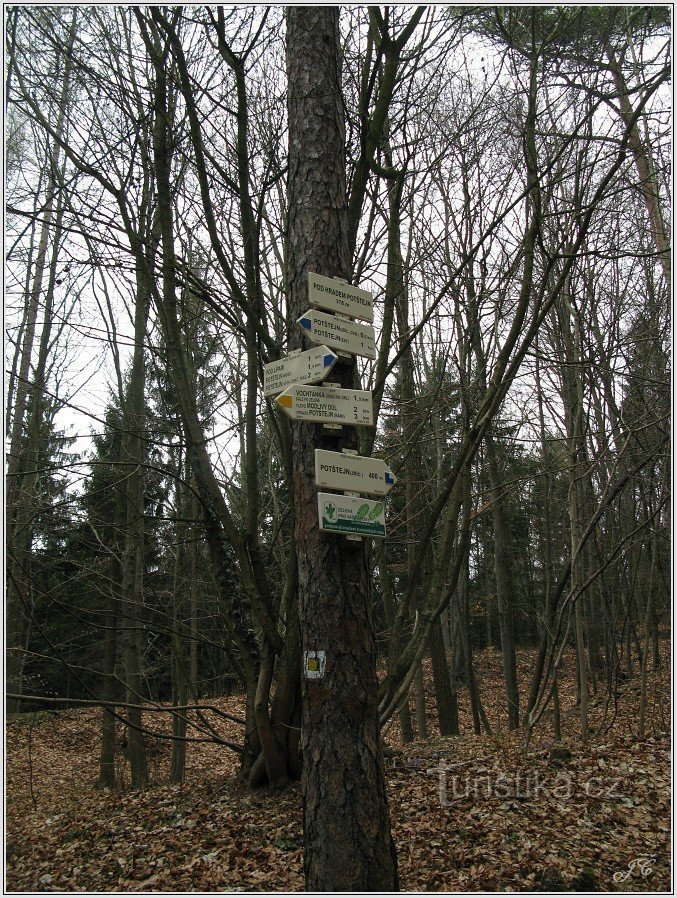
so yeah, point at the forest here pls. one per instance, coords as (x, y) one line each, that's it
(205, 688)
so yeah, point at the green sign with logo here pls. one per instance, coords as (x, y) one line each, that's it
(351, 515)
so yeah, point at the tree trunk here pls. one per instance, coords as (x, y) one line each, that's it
(648, 184)
(649, 612)
(133, 455)
(109, 691)
(176, 615)
(504, 592)
(389, 614)
(194, 551)
(574, 421)
(23, 451)
(442, 683)
(348, 843)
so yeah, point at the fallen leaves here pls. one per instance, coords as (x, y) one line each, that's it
(502, 826)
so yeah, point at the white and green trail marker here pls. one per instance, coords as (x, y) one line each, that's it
(328, 405)
(337, 296)
(339, 333)
(309, 367)
(351, 515)
(353, 473)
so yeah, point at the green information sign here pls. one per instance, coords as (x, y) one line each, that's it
(351, 515)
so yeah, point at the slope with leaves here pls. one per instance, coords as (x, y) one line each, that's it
(507, 822)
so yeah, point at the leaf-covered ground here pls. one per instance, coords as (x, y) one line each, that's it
(502, 818)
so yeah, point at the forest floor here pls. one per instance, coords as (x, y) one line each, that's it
(512, 819)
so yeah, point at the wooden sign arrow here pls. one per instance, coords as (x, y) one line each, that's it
(309, 367)
(354, 473)
(339, 333)
(337, 296)
(328, 405)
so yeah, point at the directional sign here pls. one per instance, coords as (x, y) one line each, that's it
(334, 295)
(350, 515)
(355, 473)
(309, 367)
(339, 333)
(328, 405)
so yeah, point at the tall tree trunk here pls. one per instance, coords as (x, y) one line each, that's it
(23, 452)
(176, 616)
(389, 614)
(646, 174)
(649, 611)
(505, 594)
(194, 551)
(222, 532)
(442, 683)
(109, 691)
(348, 843)
(550, 594)
(412, 472)
(574, 411)
(504, 589)
(133, 457)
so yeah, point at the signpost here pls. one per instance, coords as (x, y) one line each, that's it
(309, 367)
(337, 296)
(352, 473)
(328, 405)
(339, 333)
(351, 515)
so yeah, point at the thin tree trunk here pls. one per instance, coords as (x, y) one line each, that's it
(177, 772)
(194, 551)
(504, 591)
(556, 711)
(109, 691)
(133, 456)
(389, 614)
(219, 525)
(648, 183)
(18, 515)
(574, 419)
(442, 683)
(419, 700)
(649, 613)
(551, 595)
(505, 594)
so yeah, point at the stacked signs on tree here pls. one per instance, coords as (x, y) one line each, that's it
(296, 384)
(330, 323)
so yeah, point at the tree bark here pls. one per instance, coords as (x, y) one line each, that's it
(505, 593)
(389, 614)
(109, 690)
(348, 843)
(19, 502)
(648, 183)
(133, 455)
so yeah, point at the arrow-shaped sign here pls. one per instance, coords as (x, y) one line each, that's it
(354, 473)
(309, 367)
(339, 333)
(337, 296)
(328, 405)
